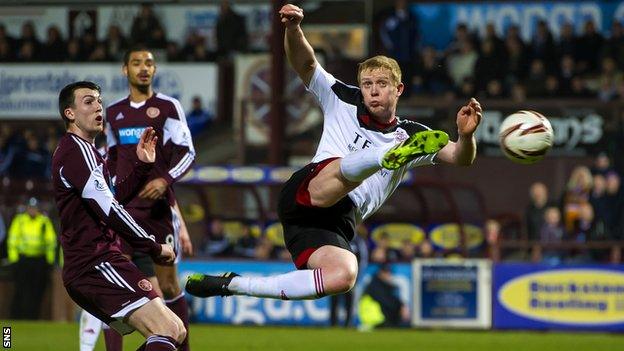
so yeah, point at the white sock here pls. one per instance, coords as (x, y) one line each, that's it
(362, 164)
(89, 331)
(296, 285)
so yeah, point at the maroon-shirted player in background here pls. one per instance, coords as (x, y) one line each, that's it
(152, 205)
(96, 275)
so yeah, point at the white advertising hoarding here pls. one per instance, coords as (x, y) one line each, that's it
(31, 91)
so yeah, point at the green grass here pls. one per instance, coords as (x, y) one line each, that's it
(42, 336)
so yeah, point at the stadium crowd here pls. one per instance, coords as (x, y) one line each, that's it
(587, 64)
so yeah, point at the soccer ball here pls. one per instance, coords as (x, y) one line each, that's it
(525, 136)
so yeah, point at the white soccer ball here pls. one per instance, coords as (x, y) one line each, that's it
(525, 136)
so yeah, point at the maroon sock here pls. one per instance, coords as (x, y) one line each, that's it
(179, 307)
(113, 340)
(159, 343)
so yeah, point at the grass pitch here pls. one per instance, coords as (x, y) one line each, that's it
(44, 336)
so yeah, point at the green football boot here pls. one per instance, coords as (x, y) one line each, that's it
(421, 143)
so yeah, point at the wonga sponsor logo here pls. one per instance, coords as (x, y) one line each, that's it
(130, 135)
(567, 296)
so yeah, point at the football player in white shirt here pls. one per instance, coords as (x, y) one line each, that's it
(365, 150)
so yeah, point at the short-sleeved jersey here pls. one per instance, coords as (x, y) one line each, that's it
(90, 215)
(174, 153)
(348, 127)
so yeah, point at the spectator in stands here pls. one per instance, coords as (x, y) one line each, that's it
(543, 46)
(54, 46)
(602, 164)
(34, 160)
(73, 51)
(408, 251)
(198, 118)
(88, 43)
(31, 245)
(551, 87)
(245, 245)
(216, 243)
(200, 53)
(535, 83)
(98, 54)
(144, 25)
(188, 50)
(28, 41)
(6, 52)
(498, 43)
(518, 92)
(517, 60)
(382, 252)
(551, 232)
(425, 249)
(494, 89)
(614, 45)
(27, 52)
(231, 31)
(584, 229)
(615, 203)
(578, 189)
(610, 77)
(430, 75)
(567, 44)
(579, 89)
(467, 88)
(461, 64)
(158, 39)
(598, 201)
(116, 43)
(589, 47)
(173, 52)
(489, 66)
(534, 214)
(383, 293)
(567, 71)
(399, 37)
(8, 39)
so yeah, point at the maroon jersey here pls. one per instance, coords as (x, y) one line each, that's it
(89, 212)
(174, 153)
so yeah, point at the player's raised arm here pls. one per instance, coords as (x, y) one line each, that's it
(299, 52)
(83, 172)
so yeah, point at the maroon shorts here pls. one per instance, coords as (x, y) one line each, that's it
(110, 290)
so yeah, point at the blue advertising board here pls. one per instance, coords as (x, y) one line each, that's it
(261, 311)
(437, 22)
(529, 296)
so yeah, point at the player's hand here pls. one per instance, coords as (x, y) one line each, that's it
(185, 241)
(469, 117)
(167, 255)
(146, 148)
(155, 189)
(291, 15)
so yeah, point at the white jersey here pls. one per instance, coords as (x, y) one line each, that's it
(348, 127)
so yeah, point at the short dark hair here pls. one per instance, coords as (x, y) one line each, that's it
(67, 96)
(135, 48)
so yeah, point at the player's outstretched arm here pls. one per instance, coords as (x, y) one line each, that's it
(464, 151)
(298, 50)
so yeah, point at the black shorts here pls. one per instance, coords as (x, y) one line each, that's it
(306, 227)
